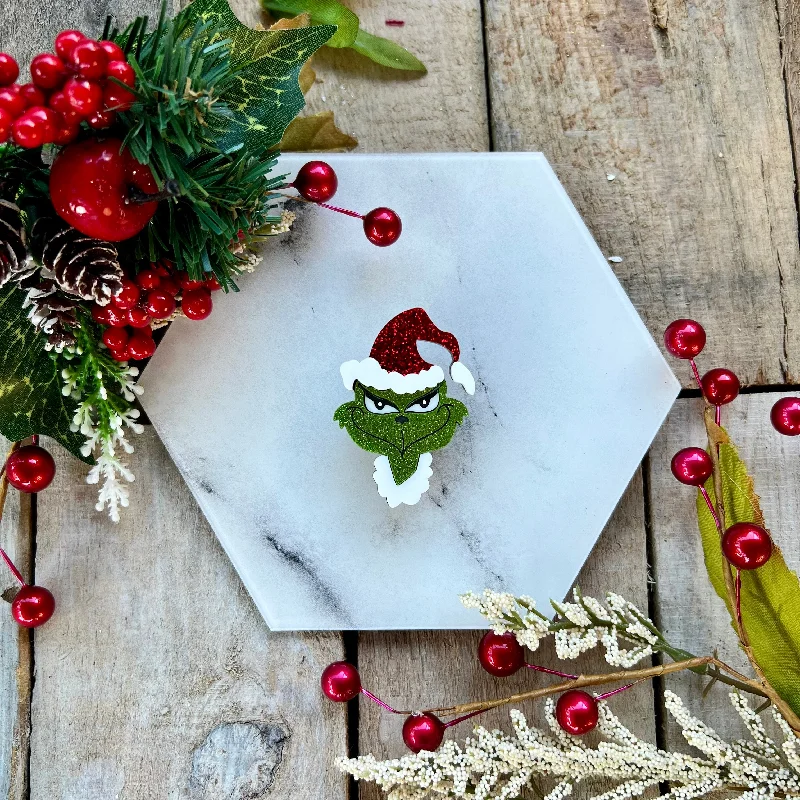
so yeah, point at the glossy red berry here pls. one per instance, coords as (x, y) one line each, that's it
(66, 42)
(187, 283)
(159, 304)
(6, 121)
(785, 416)
(501, 654)
(316, 181)
(101, 120)
(120, 354)
(116, 98)
(113, 51)
(115, 338)
(128, 296)
(48, 71)
(137, 317)
(122, 71)
(196, 303)
(746, 545)
(66, 132)
(33, 606)
(31, 130)
(115, 317)
(577, 712)
(148, 279)
(30, 468)
(169, 286)
(33, 95)
(50, 119)
(423, 732)
(692, 466)
(382, 226)
(684, 338)
(720, 386)
(213, 284)
(340, 682)
(141, 345)
(84, 96)
(89, 59)
(12, 100)
(9, 69)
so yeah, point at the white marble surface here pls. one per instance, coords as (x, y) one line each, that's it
(571, 390)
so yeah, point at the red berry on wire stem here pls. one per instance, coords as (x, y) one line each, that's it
(196, 303)
(159, 304)
(116, 98)
(128, 296)
(340, 682)
(692, 466)
(316, 181)
(577, 712)
(720, 386)
(30, 469)
(113, 51)
(746, 545)
(9, 69)
(33, 606)
(31, 131)
(137, 317)
(115, 338)
(65, 43)
(382, 226)
(148, 279)
(48, 71)
(89, 59)
(501, 654)
(33, 95)
(122, 71)
(141, 345)
(84, 96)
(423, 732)
(12, 100)
(684, 338)
(785, 416)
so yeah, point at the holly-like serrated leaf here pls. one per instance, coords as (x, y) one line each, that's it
(322, 12)
(770, 597)
(265, 95)
(30, 386)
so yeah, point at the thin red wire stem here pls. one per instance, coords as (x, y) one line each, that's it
(551, 671)
(338, 209)
(615, 691)
(738, 587)
(711, 508)
(377, 700)
(10, 565)
(718, 414)
(465, 717)
(696, 374)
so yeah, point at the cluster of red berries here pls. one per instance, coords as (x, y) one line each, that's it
(80, 81)
(745, 545)
(152, 297)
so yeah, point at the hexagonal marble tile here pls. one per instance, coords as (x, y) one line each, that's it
(570, 390)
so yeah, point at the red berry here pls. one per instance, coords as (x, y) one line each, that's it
(196, 303)
(6, 121)
(33, 95)
(691, 466)
(501, 654)
(340, 682)
(116, 317)
(169, 286)
(577, 712)
(684, 338)
(31, 131)
(159, 304)
(746, 545)
(90, 182)
(187, 283)
(113, 51)
(100, 314)
(120, 354)
(128, 296)
(66, 132)
(101, 119)
(66, 42)
(30, 468)
(33, 606)
(9, 70)
(58, 102)
(316, 181)
(785, 416)
(49, 118)
(84, 96)
(212, 284)
(423, 732)
(382, 226)
(12, 100)
(89, 59)
(48, 71)
(122, 71)
(720, 386)
(115, 338)
(148, 279)
(137, 317)
(141, 345)
(117, 98)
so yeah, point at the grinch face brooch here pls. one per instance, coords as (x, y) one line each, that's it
(401, 408)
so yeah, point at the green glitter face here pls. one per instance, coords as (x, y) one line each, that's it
(401, 426)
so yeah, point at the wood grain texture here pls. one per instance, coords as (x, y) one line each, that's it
(689, 612)
(682, 104)
(432, 668)
(157, 677)
(16, 537)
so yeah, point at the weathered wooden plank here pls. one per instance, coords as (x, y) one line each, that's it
(667, 124)
(16, 537)
(157, 676)
(434, 668)
(689, 612)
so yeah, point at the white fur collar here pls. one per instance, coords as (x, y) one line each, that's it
(408, 492)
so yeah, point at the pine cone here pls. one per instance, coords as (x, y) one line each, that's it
(86, 267)
(53, 314)
(14, 262)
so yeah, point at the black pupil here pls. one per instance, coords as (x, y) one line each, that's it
(425, 402)
(379, 404)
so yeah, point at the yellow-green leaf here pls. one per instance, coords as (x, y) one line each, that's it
(323, 12)
(770, 597)
(386, 52)
(315, 134)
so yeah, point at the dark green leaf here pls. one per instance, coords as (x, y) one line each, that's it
(322, 12)
(386, 52)
(30, 385)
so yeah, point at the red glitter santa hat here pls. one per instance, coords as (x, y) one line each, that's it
(395, 363)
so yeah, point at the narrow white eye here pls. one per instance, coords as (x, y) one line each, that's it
(378, 406)
(427, 403)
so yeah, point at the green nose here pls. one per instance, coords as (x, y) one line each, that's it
(401, 419)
